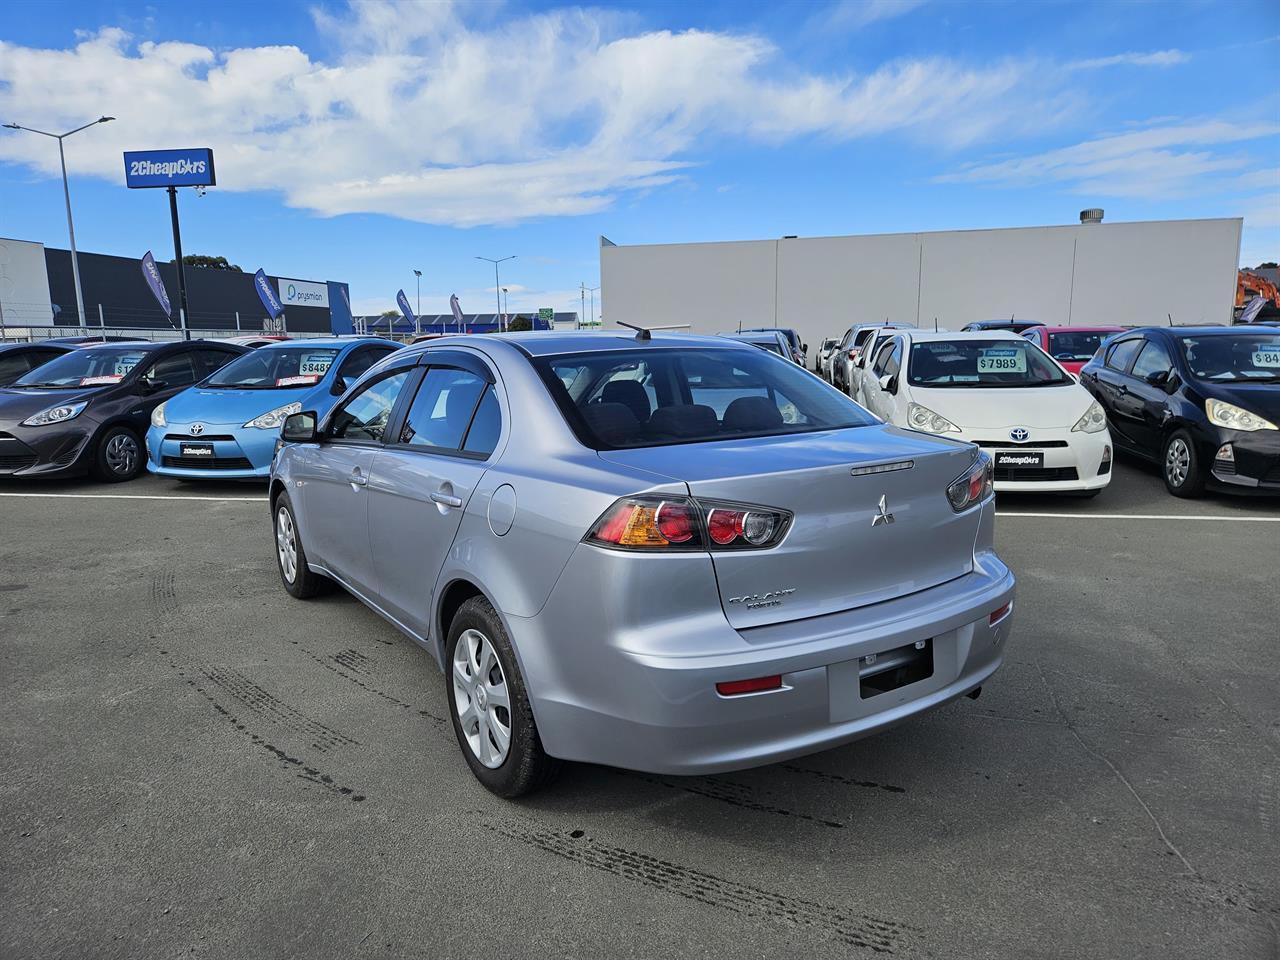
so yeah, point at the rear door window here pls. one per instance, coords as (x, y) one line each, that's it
(1120, 354)
(177, 370)
(443, 410)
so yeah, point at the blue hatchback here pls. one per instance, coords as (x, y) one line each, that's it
(227, 425)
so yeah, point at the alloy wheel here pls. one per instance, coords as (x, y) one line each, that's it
(481, 699)
(122, 454)
(286, 544)
(1177, 462)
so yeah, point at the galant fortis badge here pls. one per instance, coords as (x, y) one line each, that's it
(884, 516)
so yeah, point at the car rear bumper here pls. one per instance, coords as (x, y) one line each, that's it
(646, 703)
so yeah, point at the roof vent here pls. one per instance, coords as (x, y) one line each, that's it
(1092, 215)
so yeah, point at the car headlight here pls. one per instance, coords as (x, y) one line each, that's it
(273, 419)
(1093, 421)
(157, 416)
(63, 411)
(922, 418)
(1235, 418)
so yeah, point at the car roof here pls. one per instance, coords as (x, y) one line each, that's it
(1098, 329)
(549, 344)
(327, 342)
(35, 344)
(928, 335)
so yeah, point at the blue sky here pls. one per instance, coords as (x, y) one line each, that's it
(359, 142)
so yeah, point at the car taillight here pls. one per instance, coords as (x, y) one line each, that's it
(972, 486)
(683, 523)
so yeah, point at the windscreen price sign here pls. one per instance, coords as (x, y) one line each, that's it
(169, 168)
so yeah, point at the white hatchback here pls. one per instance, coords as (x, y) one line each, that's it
(1044, 431)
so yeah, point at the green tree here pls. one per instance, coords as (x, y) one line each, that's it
(209, 263)
(517, 323)
(389, 313)
(1269, 265)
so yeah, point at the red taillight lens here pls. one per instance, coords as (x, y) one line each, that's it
(736, 688)
(725, 526)
(1000, 613)
(853, 354)
(681, 523)
(677, 521)
(972, 486)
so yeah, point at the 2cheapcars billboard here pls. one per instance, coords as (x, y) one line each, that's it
(169, 168)
(303, 293)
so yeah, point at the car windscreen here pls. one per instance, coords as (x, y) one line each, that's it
(982, 363)
(1075, 346)
(653, 397)
(94, 367)
(1254, 357)
(272, 368)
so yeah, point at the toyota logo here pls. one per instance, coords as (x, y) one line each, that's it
(197, 429)
(1019, 434)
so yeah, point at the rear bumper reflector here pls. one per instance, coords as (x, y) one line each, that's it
(736, 688)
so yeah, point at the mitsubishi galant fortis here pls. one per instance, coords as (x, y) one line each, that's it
(675, 554)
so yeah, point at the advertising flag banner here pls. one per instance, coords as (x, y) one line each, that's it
(456, 308)
(267, 294)
(403, 303)
(152, 275)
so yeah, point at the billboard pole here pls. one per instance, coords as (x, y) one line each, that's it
(177, 254)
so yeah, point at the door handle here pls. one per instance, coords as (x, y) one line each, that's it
(446, 499)
(358, 479)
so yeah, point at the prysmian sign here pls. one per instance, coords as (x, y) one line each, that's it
(303, 293)
(169, 168)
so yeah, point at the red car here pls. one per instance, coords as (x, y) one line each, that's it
(1072, 347)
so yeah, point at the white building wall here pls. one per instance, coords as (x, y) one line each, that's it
(1081, 274)
(24, 285)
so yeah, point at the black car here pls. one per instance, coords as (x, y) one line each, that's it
(17, 359)
(798, 350)
(1203, 402)
(1017, 326)
(89, 409)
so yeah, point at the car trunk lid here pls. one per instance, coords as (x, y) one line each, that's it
(842, 550)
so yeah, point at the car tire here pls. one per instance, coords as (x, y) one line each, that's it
(291, 558)
(117, 456)
(480, 672)
(1184, 475)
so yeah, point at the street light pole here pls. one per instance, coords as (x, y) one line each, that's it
(592, 291)
(497, 289)
(66, 193)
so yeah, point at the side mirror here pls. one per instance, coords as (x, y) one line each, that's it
(152, 386)
(299, 428)
(889, 383)
(804, 347)
(340, 385)
(1158, 378)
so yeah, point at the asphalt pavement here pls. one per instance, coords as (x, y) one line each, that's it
(197, 765)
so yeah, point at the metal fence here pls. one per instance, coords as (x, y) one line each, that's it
(29, 334)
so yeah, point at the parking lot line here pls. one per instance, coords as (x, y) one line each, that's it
(1137, 516)
(131, 496)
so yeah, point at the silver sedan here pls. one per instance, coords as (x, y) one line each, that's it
(674, 554)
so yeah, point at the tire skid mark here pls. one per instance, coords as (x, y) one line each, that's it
(734, 794)
(845, 781)
(368, 687)
(744, 899)
(164, 595)
(352, 660)
(305, 770)
(259, 701)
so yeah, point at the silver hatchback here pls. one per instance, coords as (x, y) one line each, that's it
(675, 554)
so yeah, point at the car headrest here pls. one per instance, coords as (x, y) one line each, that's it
(684, 420)
(630, 393)
(752, 414)
(612, 423)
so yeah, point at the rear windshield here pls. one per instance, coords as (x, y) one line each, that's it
(1074, 347)
(1224, 357)
(271, 368)
(654, 397)
(92, 367)
(982, 363)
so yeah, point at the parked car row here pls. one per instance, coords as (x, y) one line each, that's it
(1202, 402)
(194, 408)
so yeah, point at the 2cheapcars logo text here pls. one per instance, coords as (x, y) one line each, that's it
(168, 168)
(1019, 460)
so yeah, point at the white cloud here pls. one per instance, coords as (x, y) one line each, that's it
(852, 14)
(1158, 162)
(1154, 58)
(426, 114)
